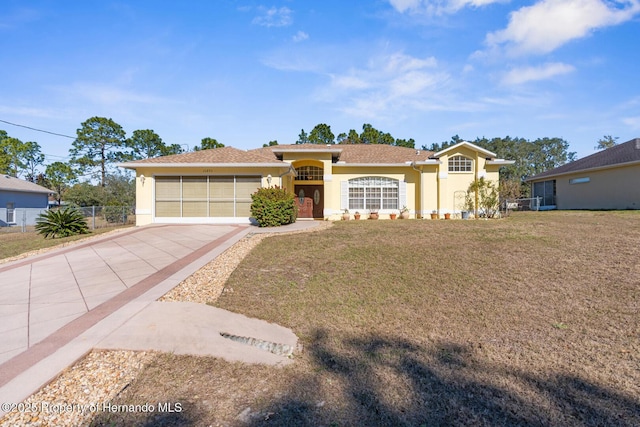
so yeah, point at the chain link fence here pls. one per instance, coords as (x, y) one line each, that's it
(96, 216)
(108, 216)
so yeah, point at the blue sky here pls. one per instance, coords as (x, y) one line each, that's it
(248, 72)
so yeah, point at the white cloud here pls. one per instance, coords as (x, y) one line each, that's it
(105, 95)
(527, 74)
(404, 5)
(632, 122)
(549, 24)
(438, 7)
(387, 85)
(274, 17)
(300, 36)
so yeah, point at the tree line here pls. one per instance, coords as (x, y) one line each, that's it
(101, 142)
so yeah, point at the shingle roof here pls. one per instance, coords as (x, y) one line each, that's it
(356, 153)
(11, 183)
(618, 154)
(221, 155)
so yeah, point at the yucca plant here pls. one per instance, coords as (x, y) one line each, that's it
(61, 223)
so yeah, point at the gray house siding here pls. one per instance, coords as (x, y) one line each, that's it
(21, 207)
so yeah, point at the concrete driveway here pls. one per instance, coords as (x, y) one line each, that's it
(57, 306)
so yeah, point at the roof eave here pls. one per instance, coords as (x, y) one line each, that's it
(428, 162)
(597, 168)
(307, 150)
(472, 146)
(17, 190)
(203, 165)
(359, 165)
(501, 162)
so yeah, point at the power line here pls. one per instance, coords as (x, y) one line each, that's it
(37, 130)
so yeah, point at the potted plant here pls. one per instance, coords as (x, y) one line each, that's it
(404, 213)
(393, 215)
(447, 216)
(356, 215)
(373, 214)
(345, 215)
(434, 214)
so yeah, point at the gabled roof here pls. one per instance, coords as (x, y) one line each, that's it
(621, 154)
(468, 145)
(224, 156)
(10, 183)
(343, 155)
(355, 154)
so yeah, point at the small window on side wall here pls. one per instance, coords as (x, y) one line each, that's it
(460, 164)
(579, 180)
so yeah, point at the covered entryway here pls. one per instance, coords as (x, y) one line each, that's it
(309, 189)
(310, 200)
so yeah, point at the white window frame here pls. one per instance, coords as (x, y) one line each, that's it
(460, 163)
(372, 191)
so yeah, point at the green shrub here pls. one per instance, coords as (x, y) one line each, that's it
(61, 223)
(273, 206)
(488, 197)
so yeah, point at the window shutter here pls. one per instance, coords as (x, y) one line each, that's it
(403, 194)
(344, 195)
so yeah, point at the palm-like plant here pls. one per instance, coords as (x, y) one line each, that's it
(61, 223)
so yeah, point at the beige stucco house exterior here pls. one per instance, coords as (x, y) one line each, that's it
(609, 179)
(215, 186)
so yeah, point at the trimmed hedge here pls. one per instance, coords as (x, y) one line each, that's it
(273, 207)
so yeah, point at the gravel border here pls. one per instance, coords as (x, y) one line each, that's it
(76, 395)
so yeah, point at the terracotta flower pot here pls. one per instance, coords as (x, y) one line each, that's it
(356, 216)
(434, 216)
(393, 216)
(447, 216)
(373, 215)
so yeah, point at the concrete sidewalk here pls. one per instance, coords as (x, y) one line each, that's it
(57, 306)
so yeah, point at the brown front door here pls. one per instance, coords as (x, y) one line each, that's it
(310, 201)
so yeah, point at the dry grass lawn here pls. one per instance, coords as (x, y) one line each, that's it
(531, 320)
(17, 243)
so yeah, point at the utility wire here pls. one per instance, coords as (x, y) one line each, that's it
(37, 130)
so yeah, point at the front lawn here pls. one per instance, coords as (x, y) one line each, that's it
(16, 243)
(531, 320)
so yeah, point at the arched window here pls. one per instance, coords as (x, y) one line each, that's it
(309, 173)
(373, 193)
(460, 164)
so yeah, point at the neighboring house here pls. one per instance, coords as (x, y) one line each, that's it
(609, 179)
(21, 201)
(215, 186)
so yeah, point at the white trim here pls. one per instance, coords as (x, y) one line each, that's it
(582, 171)
(468, 144)
(203, 165)
(306, 150)
(444, 175)
(500, 162)
(202, 220)
(344, 195)
(428, 162)
(369, 165)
